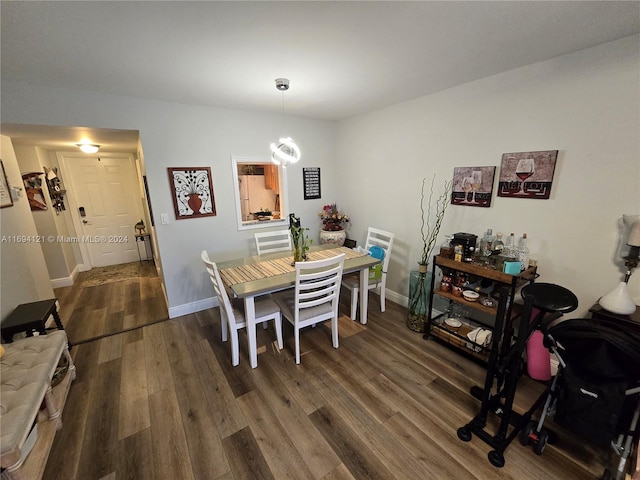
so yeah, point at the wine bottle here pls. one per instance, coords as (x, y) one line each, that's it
(523, 252)
(510, 246)
(486, 243)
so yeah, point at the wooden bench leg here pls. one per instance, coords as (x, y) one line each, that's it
(54, 413)
(72, 367)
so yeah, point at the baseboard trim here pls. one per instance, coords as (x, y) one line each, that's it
(193, 307)
(65, 281)
(397, 298)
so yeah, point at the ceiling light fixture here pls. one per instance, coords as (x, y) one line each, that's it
(285, 151)
(88, 147)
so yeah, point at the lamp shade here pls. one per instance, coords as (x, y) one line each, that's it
(634, 234)
(629, 234)
(619, 300)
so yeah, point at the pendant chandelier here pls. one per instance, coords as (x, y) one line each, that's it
(285, 151)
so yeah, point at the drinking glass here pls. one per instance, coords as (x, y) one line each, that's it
(466, 187)
(524, 169)
(476, 182)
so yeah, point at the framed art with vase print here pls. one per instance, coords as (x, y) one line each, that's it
(192, 192)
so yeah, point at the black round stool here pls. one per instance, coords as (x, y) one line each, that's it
(550, 298)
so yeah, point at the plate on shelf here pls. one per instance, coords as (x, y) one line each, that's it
(453, 322)
(470, 295)
(488, 302)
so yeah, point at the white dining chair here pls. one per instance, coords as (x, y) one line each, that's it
(277, 241)
(315, 297)
(233, 317)
(384, 240)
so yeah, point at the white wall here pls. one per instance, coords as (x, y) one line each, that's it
(585, 105)
(24, 275)
(174, 135)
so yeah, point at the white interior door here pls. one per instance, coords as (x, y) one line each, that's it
(107, 205)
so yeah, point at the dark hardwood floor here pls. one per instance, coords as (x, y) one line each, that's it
(164, 402)
(93, 312)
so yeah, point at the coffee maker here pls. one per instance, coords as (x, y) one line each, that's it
(468, 242)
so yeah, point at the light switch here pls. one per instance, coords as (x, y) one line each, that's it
(164, 218)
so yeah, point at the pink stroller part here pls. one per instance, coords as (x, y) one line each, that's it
(538, 358)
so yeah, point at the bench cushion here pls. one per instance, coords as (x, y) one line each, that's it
(26, 370)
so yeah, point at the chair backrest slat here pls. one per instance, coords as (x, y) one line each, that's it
(318, 282)
(382, 239)
(277, 241)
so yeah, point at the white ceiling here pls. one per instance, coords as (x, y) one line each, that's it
(343, 58)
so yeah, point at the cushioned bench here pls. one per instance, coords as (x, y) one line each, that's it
(26, 370)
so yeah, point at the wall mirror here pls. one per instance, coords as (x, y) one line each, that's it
(260, 189)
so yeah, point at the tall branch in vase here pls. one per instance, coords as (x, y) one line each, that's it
(420, 281)
(429, 232)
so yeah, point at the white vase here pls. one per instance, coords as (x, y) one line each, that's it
(334, 237)
(618, 301)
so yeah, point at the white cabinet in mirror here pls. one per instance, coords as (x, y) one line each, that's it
(260, 189)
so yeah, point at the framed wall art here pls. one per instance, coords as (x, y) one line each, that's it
(33, 189)
(192, 192)
(472, 186)
(311, 182)
(5, 191)
(527, 174)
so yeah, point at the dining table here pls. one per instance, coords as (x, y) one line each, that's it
(249, 277)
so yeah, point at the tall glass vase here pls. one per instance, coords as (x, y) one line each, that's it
(419, 300)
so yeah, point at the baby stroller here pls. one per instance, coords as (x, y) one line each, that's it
(596, 392)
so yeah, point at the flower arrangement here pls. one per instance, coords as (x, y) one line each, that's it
(332, 219)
